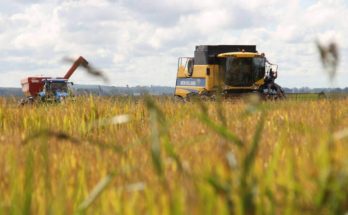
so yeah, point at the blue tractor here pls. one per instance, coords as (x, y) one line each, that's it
(55, 90)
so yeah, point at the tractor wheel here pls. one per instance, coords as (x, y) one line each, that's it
(61, 100)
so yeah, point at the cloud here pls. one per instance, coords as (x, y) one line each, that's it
(137, 42)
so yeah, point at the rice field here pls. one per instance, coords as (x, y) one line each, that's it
(151, 155)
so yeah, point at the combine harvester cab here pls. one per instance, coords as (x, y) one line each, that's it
(232, 70)
(48, 88)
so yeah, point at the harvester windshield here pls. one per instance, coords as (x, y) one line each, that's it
(239, 71)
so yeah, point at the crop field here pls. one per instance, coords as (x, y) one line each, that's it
(152, 155)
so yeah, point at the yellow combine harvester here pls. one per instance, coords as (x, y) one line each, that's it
(228, 69)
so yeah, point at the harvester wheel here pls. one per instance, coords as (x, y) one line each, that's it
(281, 94)
(276, 93)
(179, 99)
(204, 98)
(273, 97)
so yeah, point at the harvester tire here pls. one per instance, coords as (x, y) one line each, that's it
(179, 99)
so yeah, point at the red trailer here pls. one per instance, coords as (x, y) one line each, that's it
(31, 86)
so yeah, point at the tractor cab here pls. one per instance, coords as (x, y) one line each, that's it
(55, 90)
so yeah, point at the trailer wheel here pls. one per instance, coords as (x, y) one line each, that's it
(31, 100)
(22, 102)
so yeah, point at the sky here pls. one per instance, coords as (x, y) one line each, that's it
(138, 42)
